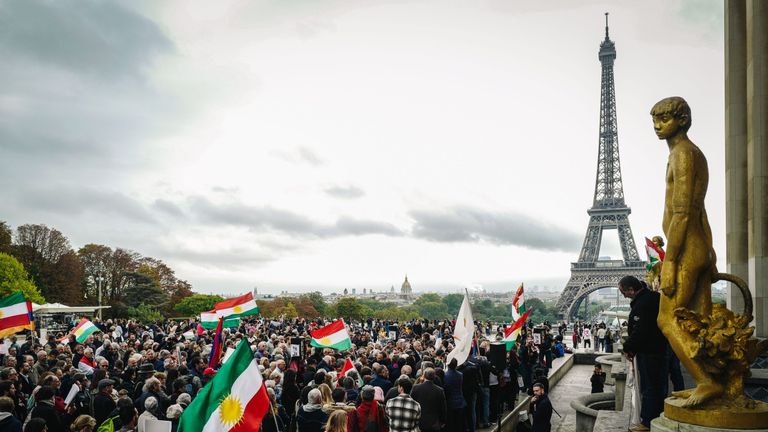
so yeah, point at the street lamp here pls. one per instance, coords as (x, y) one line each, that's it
(99, 279)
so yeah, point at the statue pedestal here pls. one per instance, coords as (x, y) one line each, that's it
(663, 424)
(721, 414)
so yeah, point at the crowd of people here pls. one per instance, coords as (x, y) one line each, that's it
(131, 372)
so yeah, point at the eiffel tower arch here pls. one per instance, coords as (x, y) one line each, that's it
(609, 210)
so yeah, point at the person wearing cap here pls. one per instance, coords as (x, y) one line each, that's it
(103, 404)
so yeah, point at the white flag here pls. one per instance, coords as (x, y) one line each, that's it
(463, 333)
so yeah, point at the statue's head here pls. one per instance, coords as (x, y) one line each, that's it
(676, 108)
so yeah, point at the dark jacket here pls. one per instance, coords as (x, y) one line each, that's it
(470, 379)
(9, 423)
(381, 382)
(644, 334)
(311, 421)
(48, 413)
(103, 405)
(433, 406)
(542, 414)
(597, 382)
(452, 386)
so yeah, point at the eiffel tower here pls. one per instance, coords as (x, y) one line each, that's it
(609, 211)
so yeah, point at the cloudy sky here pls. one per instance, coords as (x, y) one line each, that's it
(331, 144)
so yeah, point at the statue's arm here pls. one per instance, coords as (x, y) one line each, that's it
(682, 198)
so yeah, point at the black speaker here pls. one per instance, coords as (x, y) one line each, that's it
(498, 356)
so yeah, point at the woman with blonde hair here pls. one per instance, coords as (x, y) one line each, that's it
(83, 423)
(337, 422)
(325, 392)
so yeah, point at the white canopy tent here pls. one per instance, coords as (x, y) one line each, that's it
(58, 308)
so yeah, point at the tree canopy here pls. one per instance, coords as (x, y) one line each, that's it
(13, 277)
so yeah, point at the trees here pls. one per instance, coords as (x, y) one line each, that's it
(13, 277)
(350, 307)
(317, 302)
(145, 313)
(197, 303)
(6, 237)
(48, 257)
(453, 302)
(144, 290)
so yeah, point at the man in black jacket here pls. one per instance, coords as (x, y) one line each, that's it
(103, 405)
(541, 408)
(470, 388)
(647, 347)
(432, 400)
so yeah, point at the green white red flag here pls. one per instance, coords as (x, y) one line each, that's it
(83, 329)
(349, 367)
(334, 335)
(234, 401)
(655, 253)
(15, 314)
(209, 320)
(518, 303)
(237, 307)
(512, 332)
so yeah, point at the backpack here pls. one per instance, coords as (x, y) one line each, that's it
(108, 425)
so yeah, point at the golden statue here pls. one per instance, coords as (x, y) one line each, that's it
(713, 343)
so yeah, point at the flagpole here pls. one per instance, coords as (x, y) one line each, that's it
(274, 415)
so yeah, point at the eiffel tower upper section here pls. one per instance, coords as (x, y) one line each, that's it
(609, 210)
(608, 206)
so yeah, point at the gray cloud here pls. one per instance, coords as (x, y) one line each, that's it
(168, 208)
(70, 201)
(94, 37)
(464, 224)
(233, 258)
(309, 156)
(261, 218)
(345, 192)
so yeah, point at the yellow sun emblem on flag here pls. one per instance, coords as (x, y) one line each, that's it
(325, 341)
(237, 309)
(231, 411)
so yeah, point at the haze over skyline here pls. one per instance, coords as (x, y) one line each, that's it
(319, 145)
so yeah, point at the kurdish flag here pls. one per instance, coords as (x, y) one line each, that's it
(84, 329)
(334, 335)
(512, 332)
(655, 253)
(349, 367)
(235, 400)
(237, 307)
(518, 304)
(15, 314)
(209, 320)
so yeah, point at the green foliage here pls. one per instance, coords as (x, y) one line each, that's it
(145, 313)
(13, 277)
(351, 308)
(289, 311)
(540, 311)
(197, 303)
(453, 301)
(6, 236)
(317, 302)
(433, 310)
(144, 289)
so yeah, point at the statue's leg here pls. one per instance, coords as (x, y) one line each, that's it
(681, 342)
